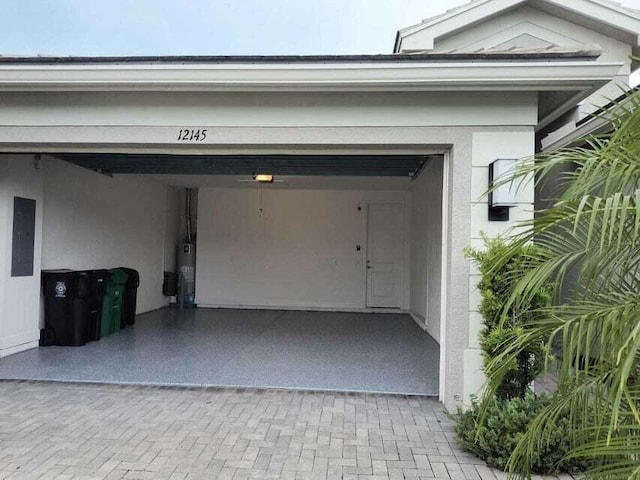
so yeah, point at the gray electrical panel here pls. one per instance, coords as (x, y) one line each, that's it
(24, 232)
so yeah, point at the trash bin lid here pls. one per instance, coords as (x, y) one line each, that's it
(98, 274)
(62, 273)
(133, 276)
(118, 276)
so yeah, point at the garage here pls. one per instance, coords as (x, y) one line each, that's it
(347, 272)
(302, 281)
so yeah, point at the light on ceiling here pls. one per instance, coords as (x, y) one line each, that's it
(263, 178)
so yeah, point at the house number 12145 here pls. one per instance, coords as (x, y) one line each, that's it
(192, 135)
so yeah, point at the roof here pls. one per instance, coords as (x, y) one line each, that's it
(454, 56)
(550, 52)
(515, 69)
(620, 21)
(566, 75)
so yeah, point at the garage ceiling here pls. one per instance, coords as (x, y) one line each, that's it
(308, 165)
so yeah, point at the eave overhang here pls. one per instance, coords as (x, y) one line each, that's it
(576, 136)
(598, 122)
(504, 75)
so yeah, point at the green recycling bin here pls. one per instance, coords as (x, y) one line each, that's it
(112, 303)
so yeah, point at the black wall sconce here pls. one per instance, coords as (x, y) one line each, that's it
(502, 197)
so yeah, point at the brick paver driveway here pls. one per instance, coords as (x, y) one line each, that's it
(82, 431)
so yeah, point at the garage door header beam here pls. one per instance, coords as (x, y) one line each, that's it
(309, 165)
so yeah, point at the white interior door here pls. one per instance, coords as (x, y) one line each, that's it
(384, 255)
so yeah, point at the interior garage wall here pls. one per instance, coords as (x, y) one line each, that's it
(20, 175)
(174, 218)
(95, 221)
(426, 247)
(299, 252)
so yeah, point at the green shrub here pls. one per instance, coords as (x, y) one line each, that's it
(498, 279)
(503, 424)
(493, 431)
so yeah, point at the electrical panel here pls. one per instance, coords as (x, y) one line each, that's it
(24, 230)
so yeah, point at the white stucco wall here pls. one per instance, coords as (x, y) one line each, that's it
(95, 221)
(257, 110)
(301, 252)
(19, 296)
(426, 247)
(487, 147)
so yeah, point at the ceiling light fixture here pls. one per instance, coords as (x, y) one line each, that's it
(263, 178)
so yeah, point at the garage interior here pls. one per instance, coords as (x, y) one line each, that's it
(327, 278)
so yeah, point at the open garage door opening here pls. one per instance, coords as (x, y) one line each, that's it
(323, 232)
(325, 275)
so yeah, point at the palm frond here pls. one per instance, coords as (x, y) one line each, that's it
(590, 261)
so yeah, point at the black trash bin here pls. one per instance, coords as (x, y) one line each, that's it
(98, 284)
(66, 307)
(130, 297)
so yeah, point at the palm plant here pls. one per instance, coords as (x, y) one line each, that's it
(589, 241)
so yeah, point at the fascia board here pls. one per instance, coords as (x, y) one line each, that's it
(607, 13)
(414, 76)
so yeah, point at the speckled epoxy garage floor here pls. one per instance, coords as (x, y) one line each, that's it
(258, 348)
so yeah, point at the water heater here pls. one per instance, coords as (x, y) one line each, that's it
(187, 273)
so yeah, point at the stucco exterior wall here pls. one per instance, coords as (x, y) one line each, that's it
(288, 123)
(347, 109)
(454, 329)
(487, 147)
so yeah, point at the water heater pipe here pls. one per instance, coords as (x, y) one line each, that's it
(187, 215)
